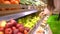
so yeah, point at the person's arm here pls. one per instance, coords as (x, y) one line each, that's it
(57, 6)
(50, 4)
(45, 12)
(50, 7)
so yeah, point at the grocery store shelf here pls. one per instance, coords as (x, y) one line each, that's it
(17, 15)
(37, 25)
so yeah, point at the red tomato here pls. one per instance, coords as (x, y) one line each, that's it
(18, 0)
(14, 2)
(1, 1)
(7, 2)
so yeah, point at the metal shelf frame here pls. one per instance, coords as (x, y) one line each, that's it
(18, 15)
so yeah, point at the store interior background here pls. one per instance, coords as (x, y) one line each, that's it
(29, 17)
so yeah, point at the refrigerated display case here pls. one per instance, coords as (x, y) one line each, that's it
(30, 19)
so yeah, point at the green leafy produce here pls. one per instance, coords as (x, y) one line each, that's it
(54, 24)
(32, 2)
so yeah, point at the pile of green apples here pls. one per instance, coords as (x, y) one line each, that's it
(29, 21)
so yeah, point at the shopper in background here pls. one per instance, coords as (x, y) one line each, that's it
(57, 6)
(51, 6)
(54, 6)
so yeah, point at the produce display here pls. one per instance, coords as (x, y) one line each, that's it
(9, 1)
(54, 24)
(21, 25)
(12, 27)
(32, 2)
(29, 21)
(43, 27)
(40, 30)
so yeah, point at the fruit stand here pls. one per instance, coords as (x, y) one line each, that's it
(22, 17)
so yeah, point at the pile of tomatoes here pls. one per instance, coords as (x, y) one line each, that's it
(9, 1)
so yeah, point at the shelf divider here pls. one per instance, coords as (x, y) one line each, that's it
(18, 15)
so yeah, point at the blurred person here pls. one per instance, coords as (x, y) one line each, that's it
(57, 6)
(52, 5)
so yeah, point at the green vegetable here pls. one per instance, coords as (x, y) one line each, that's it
(32, 2)
(29, 21)
(54, 24)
